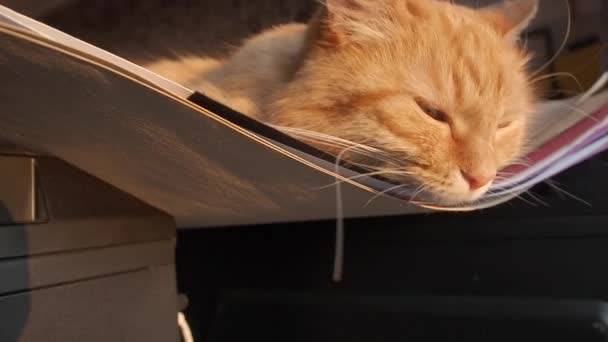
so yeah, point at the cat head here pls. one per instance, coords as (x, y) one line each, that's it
(441, 89)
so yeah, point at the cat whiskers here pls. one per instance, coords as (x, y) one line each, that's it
(369, 174)
(418, 191)
(516, 195)
(582, 112)
(505, 191)
(345, 146)
(522, 162)
(558, 74)
(384, 192)
(499, 179)
(562, 191)
(339, 143)
(338, 268)
(534, 197)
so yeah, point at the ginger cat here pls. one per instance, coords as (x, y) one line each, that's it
(426, 92)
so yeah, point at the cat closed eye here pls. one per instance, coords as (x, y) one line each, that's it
(505, 124)
(434, 113)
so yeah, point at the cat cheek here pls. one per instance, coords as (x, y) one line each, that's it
(509, 146)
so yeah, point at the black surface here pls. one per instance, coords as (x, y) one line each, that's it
(547, 252)
(338, 317)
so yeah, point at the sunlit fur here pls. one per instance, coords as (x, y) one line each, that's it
(358, 69)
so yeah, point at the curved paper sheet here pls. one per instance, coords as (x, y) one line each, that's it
(176, 156)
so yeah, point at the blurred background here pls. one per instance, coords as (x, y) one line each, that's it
(143, 30)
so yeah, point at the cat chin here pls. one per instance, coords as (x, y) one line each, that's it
(456, 195)
(450, 197)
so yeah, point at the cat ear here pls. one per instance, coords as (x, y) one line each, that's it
(344, 21)
(511, 17)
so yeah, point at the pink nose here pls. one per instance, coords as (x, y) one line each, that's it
(478, 180)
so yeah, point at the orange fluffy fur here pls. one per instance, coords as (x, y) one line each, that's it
(439, 87)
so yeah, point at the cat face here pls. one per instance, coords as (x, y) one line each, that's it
(440, 89)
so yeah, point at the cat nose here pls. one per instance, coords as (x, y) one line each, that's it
(478, 180)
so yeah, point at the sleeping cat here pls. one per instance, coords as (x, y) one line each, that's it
(427, 92)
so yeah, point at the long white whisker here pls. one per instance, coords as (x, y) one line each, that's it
(557, 188)
(522, 164)
(534, 197)
(580, 111)
(418, 192)
(557, 74)
(382, 193)
(369, 174)
(331, 141)
(302, 131)
(518, 196)
(338, 269)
